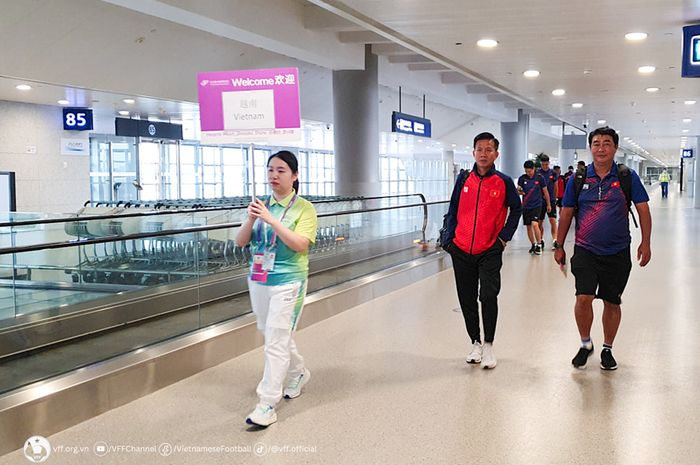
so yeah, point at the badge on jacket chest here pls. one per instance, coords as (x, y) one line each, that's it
(466, 189)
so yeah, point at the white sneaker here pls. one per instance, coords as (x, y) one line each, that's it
(475, 355)
(263, 415)
(293, 389)
(489, 359)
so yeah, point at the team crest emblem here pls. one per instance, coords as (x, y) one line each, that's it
(586, 186)
(494, 193)
(616, 184)
(466, 189)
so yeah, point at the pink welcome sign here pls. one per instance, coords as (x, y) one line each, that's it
(249, 105)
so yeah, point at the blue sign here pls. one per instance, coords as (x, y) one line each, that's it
(409, 124)
(77, 119)
(691, 51)
(687, 153)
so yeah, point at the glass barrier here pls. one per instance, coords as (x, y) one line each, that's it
(86, 289)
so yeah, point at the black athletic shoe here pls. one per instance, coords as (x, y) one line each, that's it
(607, 361)
(579, 361)
(532, 249)
(542, 245)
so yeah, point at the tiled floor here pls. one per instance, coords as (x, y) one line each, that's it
(390, 384)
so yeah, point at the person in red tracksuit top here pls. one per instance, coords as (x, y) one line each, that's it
(483, 215)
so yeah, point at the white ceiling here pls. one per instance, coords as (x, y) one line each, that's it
(577, 46)
(151, 49)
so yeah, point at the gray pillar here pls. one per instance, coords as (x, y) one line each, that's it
(567, 158)
(356, 129)
(513, 147)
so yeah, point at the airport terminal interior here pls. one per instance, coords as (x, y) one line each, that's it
(134, 135)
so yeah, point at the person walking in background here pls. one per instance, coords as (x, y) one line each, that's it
(482, 217)
(280, 230)
(664, 179)
(600, 199)
(534, 191)
(550, 210)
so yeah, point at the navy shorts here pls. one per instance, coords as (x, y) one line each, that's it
(544, 214)
(603, 276)
(531, 215)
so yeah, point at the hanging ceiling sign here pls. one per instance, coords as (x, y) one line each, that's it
(249, 105)
(691, 51)
(687, 153)
(409, 124)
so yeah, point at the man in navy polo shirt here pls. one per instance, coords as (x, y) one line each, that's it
(550, 209)
(534, 191)
(601, 262)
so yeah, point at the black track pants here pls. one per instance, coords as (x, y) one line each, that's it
(478, 276)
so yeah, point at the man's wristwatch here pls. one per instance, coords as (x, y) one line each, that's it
(558, 245)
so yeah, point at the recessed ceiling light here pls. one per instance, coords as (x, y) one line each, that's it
(689, 102)
(128, 101)
(687, 120)
(558, 92)
(23, 87)
(601, 121)
(531, 73)
(63, 102)
(587, 71)
(577, 105)
(652, 89)
(420, 141)
(636, 36)
(646, 69)
(123, 112)
(454, 145)
(487, 43)
(684, 130)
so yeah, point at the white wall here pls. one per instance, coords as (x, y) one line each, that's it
(46, 181)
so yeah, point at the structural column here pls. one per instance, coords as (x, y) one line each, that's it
(356, 128)
(448, 156)
(513, 147)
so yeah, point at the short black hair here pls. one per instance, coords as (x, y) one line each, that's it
(544, 157)
(557, 167)
(529, 164)
(604, 131)
(486, 136)
(571, 167)
(581, 163)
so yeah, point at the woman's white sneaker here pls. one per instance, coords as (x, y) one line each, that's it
(488, 359)
(295, 384)
(475, 355)
(263, 415)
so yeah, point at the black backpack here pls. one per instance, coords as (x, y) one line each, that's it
(623, 173)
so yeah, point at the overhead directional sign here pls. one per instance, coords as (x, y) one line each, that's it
(691, 51)
(409, 124)
(687, 153)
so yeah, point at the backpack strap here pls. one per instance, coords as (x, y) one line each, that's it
(625, 176)
(579, 181)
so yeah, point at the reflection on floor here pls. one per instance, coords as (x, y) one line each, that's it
(390, 384)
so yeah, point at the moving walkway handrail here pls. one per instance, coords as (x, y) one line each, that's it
(194, 229)
(71, 219)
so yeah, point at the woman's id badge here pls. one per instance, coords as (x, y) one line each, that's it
(269, 259)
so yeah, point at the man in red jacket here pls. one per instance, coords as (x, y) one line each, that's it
(476, 235)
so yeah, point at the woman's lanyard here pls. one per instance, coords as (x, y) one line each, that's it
(261, 225)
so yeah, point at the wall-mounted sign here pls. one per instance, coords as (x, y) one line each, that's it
(574, 141)
(691, 51)
(687, 153)
(145, 128)
(75, 146)
(249, 105)
(77, 119)
(409, 124)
